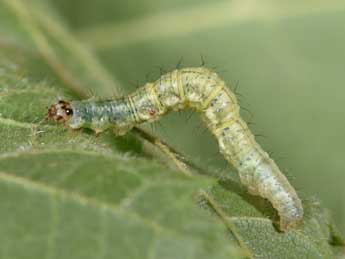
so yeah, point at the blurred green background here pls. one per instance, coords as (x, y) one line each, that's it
(287, 58)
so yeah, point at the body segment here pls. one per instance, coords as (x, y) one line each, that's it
(202, 90)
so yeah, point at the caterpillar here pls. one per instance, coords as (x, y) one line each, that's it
(204, 91)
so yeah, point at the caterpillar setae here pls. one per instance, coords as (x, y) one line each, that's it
(205, 92)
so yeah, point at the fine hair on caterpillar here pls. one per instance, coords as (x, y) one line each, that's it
(204, 91)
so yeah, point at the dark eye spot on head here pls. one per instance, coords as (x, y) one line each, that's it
(69, 111)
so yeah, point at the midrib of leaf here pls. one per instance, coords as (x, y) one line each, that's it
(184, 21)
(230, 226)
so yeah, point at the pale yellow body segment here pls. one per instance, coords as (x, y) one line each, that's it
(203, 90)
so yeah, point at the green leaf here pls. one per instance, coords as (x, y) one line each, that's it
(71, 195)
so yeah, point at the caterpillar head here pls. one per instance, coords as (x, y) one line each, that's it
(60, 112)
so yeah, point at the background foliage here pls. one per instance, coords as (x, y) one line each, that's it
(287, 60)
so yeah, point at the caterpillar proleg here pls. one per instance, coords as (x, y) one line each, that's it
(205, 92)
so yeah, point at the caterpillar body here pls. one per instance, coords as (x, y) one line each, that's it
(204, 91)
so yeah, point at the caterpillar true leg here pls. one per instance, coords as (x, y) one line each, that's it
(202, 90)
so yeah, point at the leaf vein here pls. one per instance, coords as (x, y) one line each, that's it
(83, 200)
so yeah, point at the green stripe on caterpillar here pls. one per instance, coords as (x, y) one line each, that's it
(205, 92)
